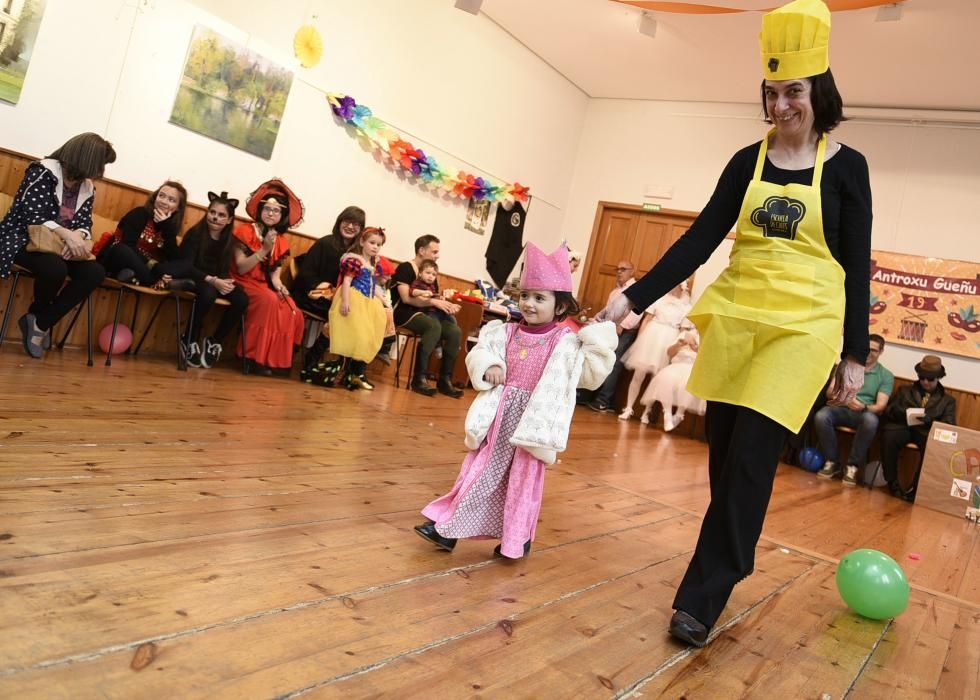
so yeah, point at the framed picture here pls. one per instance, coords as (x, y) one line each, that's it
(477, 214)
(19, 23)
(231, 94)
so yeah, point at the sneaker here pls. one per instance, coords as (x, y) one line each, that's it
(192, 354)
(829, 470)
(850, 476)
(598, 406)
(126, 276)
(212, 351)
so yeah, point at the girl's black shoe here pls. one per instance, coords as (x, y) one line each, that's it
(428, 532)
(497, 553)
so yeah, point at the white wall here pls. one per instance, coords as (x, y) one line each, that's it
(925, 180)
(455, 85)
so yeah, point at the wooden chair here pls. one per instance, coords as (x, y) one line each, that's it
(410, 337)
(139, 292)
(310, 318)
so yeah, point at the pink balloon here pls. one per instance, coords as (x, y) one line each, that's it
(124, 338)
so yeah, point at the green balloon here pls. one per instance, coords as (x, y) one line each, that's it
(873, 584)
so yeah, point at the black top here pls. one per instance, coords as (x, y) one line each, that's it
(321, 263)
(845, 191)
(404, 274)
(133, 223)
(206, 254)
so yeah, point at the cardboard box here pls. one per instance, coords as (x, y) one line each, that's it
(950, 479)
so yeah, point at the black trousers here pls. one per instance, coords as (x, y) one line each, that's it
(893, 439)
(206, 296)
(52, 297)
(743, 453)
(608, 389)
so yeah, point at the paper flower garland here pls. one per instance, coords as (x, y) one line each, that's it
(308, 46)
(415, 160)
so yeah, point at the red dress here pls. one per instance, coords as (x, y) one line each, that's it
(273, 325)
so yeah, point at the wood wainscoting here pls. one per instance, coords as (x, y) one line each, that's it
(113, 200)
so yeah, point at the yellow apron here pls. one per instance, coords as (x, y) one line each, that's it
(771, 323)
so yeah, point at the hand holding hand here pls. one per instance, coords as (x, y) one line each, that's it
(495, 376)
(224, 286)
(616, 310)
(848, 380)
(75, 248)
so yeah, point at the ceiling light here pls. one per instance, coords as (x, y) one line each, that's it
(648, 25)
(889, 13)
(471, 6)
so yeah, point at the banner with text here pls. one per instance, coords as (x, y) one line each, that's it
(926, 302)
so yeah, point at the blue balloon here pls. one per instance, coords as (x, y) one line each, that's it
(811, 459)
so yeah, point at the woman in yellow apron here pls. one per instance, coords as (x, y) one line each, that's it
(771, 323)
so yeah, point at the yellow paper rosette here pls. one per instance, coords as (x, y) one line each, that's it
(308, 45)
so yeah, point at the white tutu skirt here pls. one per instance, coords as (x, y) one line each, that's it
(648, 353)
(669, 388)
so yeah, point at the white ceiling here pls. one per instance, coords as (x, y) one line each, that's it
(930, 59)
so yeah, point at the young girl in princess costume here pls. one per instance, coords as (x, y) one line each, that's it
(669, 385)
(357, 314)
(527, 375)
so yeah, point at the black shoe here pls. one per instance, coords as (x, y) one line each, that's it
(126, 276)
(598, 406)
(420, 386)
(687, 629)
(211, 353)
(192, 354)
(497, 553)
(895, 490)
(181, 285)
(909, 495)
(260, 369)
(428, 532)
(446, 387)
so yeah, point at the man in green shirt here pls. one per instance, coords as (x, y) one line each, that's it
(861, 414)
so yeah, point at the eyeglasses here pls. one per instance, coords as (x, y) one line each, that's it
(624, 269)
(351, 224)
(928, 379)
(272, 209)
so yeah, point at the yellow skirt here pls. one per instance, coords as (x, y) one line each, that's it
(359, 334)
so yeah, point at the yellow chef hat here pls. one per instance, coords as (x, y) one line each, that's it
(795, 40)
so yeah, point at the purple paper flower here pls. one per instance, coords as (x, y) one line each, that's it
(345, 110)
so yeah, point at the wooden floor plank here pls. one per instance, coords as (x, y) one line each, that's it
(251, 537)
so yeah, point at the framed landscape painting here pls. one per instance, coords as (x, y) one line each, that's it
(231, 94)
(19, 22)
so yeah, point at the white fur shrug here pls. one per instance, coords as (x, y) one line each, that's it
(582, 359)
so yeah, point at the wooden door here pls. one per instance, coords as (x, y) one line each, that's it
(626, 232)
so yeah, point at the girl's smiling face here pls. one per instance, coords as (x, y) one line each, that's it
(537, 306)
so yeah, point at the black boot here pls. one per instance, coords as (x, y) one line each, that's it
(313, 357)
(446, 387)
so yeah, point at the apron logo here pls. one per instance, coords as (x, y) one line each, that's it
(779, 217)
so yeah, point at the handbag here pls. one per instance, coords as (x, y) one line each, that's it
(41, 239)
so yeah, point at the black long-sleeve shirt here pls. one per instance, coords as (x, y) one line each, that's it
(845, 191)
(321, 263)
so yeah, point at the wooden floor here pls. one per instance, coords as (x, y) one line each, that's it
(172, 535)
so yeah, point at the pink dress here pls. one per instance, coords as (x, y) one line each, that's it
(499, 488)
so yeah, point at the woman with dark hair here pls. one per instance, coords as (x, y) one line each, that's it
(318, 268)
(771, 323)
(57, 193)
(207, 246)
(274, 324)
(143, 248)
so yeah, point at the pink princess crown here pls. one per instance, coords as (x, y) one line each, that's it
(548, 272)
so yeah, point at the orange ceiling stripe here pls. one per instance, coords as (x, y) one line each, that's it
(694, 9)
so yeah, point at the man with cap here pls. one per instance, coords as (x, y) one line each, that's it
(771, 323)
(904, 420)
